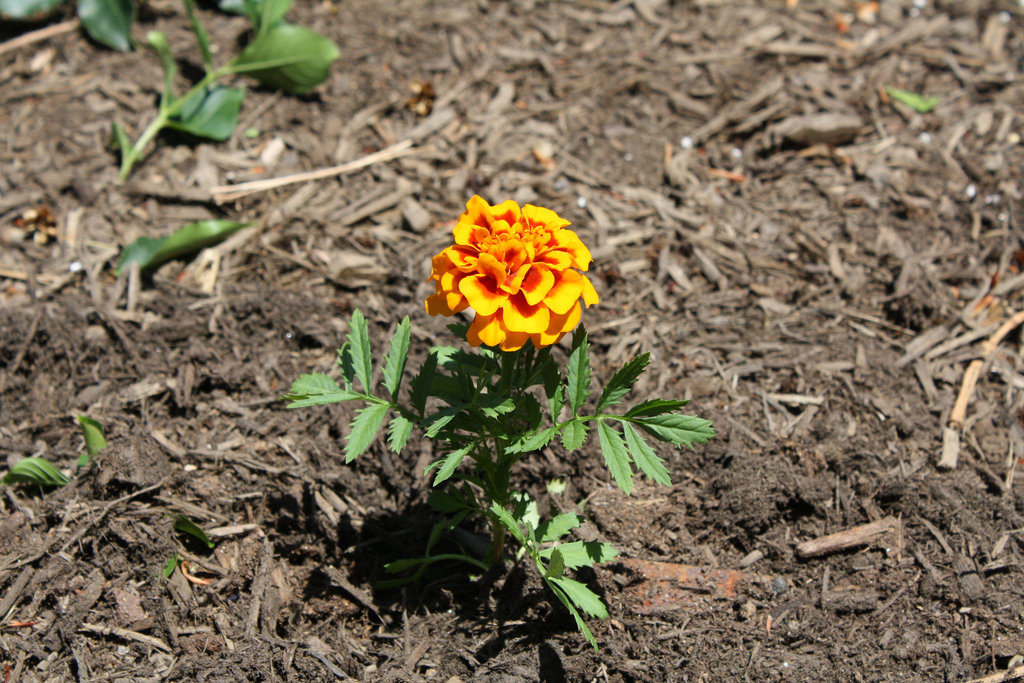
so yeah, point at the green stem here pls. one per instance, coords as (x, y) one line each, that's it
(130, 156)
(498, 548)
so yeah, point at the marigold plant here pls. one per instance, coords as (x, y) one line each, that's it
(515, 268)
(521, 272)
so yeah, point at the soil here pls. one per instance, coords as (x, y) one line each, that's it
(812, 261)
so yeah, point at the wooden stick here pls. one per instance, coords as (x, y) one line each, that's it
(36, 36)
(226, 193)
(126, 634)
(848, 538)
(1014, 674)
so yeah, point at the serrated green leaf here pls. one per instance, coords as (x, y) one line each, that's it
(202, 38)
(211, 113)
(580, 624)
(558, 526)
(451, 461)
(622, 381)
(574, 433)
(171, 565)
(398, 432)
(35, 470)
(578, 386)
(151, 253)
(293, 58)
(24, 9)
(418, 389)
(363, 430)
(316, 389)
(186, 525)
(918, 103)
(394, 362)
(644, 456)
(493, 406)
(440, 419)
(583, 553)
(525, 511)
(533, 441)
(359, 348)
(679, 430)
(108, 21)
(584, 598)
(556, 565)
(505, 517)
(616, 457)
(655, 406)
(92, 432)
(158, 41)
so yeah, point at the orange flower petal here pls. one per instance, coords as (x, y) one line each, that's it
(483, 295)
(577, 251)
(492, 269)
(519, 316)
(540, 217)
(462, 257)
(558, 325)
(478, 212)
(566, 291)
(556, 258)
(486, 329)
(537, 283)
(514, 341)
(507, 211)
(463, 231)
(589, 293)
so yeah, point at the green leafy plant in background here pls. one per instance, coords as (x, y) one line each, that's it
(281, 55)
(37, 470)
(919, 103)
(483, 405)
(106, 21)
(151, 253)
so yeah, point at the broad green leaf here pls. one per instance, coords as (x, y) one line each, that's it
(580, 624)
(421, 383)
(23, 9)
(316, 389)
(92, 432)
(584, 598)
(644, 456)
(211, 113)
(171, 565)
(574, 433)
(293, 58)
(556, 565)
(363, 430)
(655, 406)
(615, 455)
(359, 347)
(451, 461)
(440, 420)
(583, 553)
(398, 432)
(108, 21)
(394, 362)
(35, 470)
(250, 8)
(186, 525)
(158, 41)
(201, 36)
(526, 511)
(679, 430)
(622, 381)
(558, 526)
(532, 442)
(578, 387)
(918, 103)
(151, 253)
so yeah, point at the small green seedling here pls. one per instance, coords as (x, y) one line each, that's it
(172, 563)
(920, 103)
(187, 526)
(151, 253)
(35, 470)
(92, 432)
(280, 55)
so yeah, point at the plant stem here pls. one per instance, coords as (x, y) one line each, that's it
(130, 156)
(498, 549)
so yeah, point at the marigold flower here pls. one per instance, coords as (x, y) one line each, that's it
(515, 267)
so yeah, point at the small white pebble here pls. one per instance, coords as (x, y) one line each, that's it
(736, 152)
(581, 202)
(925, 137)
(1013, 138)
(1004, 17)
(75, 266)
(1010, 76)
(1002, 217)
(971, 191)
(627, 156)
(920, 4)
(686, 142)
(993, 199)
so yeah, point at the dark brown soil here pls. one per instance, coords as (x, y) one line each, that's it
(814, 264)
